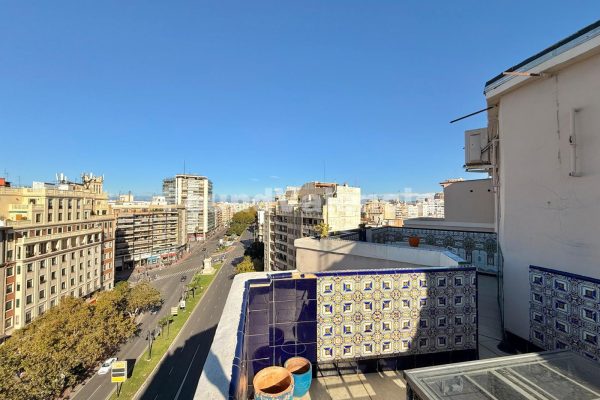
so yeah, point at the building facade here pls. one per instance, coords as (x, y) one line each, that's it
(148, 234)
(58, 240)
(299, 211)
(541, 148)
(195, 194)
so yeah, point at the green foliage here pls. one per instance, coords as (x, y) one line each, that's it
(246, 265)
(322, 229)
(57, 349)
(240, 221)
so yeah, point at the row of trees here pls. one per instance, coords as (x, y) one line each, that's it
(58, 349)
(241, 220)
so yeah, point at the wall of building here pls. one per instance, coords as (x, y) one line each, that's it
(59, 241)
(316, 255)
(469, 201)
(548, 218)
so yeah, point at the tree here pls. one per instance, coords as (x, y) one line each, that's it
(241, 220)
(245, 265)
(322, 229)
(142, 297)
(57, 349)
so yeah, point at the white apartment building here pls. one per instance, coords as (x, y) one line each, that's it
(195, 193)
(297, 213)
(541, 147)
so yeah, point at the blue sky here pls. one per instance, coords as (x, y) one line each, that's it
(257, 94)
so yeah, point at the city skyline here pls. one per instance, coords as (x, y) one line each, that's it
(216, 86)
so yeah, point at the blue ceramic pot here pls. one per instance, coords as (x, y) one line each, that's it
(273, 383)
(301, 369)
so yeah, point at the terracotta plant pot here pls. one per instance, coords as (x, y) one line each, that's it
(301, 369)
(273, 383)
(414, 241)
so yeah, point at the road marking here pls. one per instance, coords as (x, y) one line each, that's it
(92, 395)
(172, 345)
(171, 370)
(186, 373)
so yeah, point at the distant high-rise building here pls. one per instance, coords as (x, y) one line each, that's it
(57, 240)
(299, 211)
(194, 192)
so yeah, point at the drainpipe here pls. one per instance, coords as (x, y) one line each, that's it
(573, 143)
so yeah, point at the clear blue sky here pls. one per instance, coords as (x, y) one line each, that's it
(257, 94)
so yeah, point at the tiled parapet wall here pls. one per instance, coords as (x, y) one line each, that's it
(280, 322)
(383, 313)
(477, 248)
(270, 317)
(565, 311)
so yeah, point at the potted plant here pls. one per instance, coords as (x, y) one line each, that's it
(414, 240)
(301, 370)
(273, 383)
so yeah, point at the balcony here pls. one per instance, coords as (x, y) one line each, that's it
(283, 314)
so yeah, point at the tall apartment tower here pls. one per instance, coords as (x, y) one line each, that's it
(56, 240)
(297, 213)
(194, 193)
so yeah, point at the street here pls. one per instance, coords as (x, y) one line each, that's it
(99, 387)
(177, 377)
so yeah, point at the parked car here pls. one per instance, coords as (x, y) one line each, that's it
(183, 278)
(106, 365)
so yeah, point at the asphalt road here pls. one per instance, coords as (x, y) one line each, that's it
(178, 375)
(99, 387)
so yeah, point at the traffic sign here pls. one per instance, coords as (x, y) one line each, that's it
(174, 310)
(118, 372)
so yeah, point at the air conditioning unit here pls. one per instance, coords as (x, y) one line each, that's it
(476, 148)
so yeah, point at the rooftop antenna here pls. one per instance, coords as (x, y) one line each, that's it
(324, 170)
(184, 167)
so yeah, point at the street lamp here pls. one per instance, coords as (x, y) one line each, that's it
(150, 339)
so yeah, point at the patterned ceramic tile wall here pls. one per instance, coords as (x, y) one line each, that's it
(564, 311)
(477, 248)
(366, 314)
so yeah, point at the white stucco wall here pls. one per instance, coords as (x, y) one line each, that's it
(548, 218)
(315, 255)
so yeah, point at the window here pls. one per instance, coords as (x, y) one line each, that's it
(8, 323)
(8, 305)
(9, 288)
(53, 275)
(28, 317)
(9, 271)
(29, 299)
(63, 286)
(30, 267)
(53, 290)
(42, 294)
(29, 283)
(38, 218)
(49, 217)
